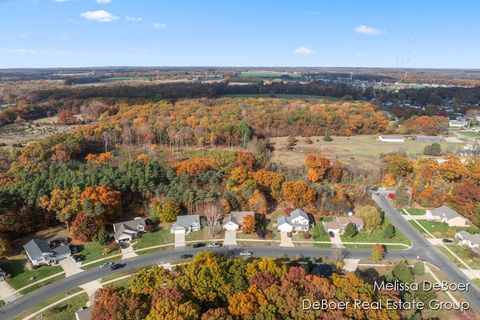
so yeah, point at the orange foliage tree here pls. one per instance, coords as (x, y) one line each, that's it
(195, 166)
(317, 167)
(298, 193)
(258, 203)
(249, 224)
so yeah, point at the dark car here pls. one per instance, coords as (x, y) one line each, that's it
(74, 249)
(186, 256)
(331, 234)
(118, 266)
(198, 245)
(77, 258)
(447, 240)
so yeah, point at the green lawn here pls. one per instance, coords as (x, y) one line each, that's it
(438, 229)
(463, 253)
(415, 211)
(204, 234)
(22, 276)
(66, 309)
(155, 238)
(472, 134)
(318, 233)
(377, 236)
(94, 251)
(42, 284)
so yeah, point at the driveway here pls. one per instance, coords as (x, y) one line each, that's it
(285, 240)
(7, 293)
(128, 252)
(179, 239)
(230, 238)
(70, 267)
(337, 241)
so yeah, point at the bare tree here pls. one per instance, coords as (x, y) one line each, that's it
(212, 211)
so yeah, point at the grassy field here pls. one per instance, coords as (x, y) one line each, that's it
(358, 151)
(472, 134)
(155, 238)
(22, 276)
(93, 251)
(415, 211)
(463, 253)
(114, 79)
(377, 236)
(280, 96)
(42, 284)
(439, 229)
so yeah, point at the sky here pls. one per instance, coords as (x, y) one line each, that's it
(293, 33)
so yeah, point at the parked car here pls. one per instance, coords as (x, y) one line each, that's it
(77, 258)
(447, 240)
(124, 245)
(215, 245)
(245, 253)
(331, 234)
(117, 266)
(186, 256)
(198, 245)
(106, 265)
(74, 249)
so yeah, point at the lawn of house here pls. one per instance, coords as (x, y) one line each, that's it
(439, 229)
(155, 238)
(463, 253)
(204, 234)
(377, 236)
(415, 211)
(22, 276)
(93, 251)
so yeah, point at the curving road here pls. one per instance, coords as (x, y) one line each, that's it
(421, 249)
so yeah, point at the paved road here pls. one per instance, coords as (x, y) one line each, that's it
(428, 252)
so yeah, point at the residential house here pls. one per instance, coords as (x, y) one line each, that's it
(458, 123)
(40, 253)
(128, 230)
(469, 240)
(391, 138)
(339, 223)
(186, 224)
(447, 215)
(234, 220)
(297, 220)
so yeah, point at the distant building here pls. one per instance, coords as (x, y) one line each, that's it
(297, 220)
(391, 138)
(234, 220)
(469, 240)
(40, 253)
(186, 224)
(447, 215)
(338, 225)
(458, 123)
(431, 139)
(128, 230)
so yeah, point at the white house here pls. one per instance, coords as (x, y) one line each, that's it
(186, 224)
(338, 225)
(470, 240)
(458, 123)
(448, 216)
(234, 220)
(40, 253)
(297, 220)
(128, 230)
(391, 138)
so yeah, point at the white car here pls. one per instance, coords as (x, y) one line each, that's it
(215, 245)
(106, 265)
(245, 253)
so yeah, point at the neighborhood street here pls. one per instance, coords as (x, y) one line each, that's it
(421, 249)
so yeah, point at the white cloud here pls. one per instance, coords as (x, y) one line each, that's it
(100, 16)
(369, 31)
(133, 19)
(60, 1)
(103, 1)
(303, 50)
(159, 25)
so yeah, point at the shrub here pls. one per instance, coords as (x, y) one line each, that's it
(434, 149)
(389, 232)
(103, 237)
(307, 235)
(327, 138)
(308, 140)
(350, 230)
(419, 268)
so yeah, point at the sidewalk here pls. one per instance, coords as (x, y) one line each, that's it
(285, 240)
(7, 293)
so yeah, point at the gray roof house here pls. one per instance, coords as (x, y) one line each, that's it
(187, 224)
(297, 220)
(39, 252)
(128, 230)
(234, 220)
(447, 215)
(470, 240)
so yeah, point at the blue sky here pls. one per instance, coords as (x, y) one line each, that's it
(336, 33)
